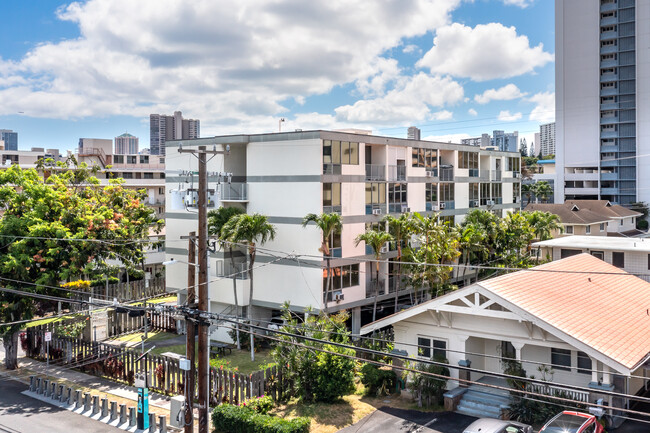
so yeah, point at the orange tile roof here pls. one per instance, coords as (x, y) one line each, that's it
(600, 305)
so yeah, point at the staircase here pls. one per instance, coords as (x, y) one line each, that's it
(485, 402)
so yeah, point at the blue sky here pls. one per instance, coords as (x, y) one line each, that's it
(97, 68)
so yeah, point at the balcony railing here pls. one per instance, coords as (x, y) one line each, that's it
(372, 286)
(446, 174)
(375, 209)
(331, 168)
(473, 172)
(226, 269)
(336, 252)
(375, 172)
(496, 175)
(396, 172)
(447, 205)
(233, 192)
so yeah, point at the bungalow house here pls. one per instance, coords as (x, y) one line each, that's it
(583, 317)
(574, 220)
(623, 220)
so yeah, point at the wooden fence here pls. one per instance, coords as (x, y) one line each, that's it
(166, 377)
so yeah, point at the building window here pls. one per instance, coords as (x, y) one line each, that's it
(118, 159)
(342, 277)
(588, 230)
(161, 190)
(584, 363)
(621, 223)
(127, 175)
(340, 152)
(447, 194)
(131, 159)
(561, 359)
(431, 195)
(397, 197)
(424, 158)
(618, 259)
(601, 255)
(516, 192)
(432, 348)
(468, 160)
(331, 197)
(496, 193)
(602, 227)
(375, 196)
(144, 159)
(473, 195)
(148, 175)
(568, 230)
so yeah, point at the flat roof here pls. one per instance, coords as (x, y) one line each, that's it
(598, 243)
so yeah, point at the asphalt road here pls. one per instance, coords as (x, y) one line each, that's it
(22, 414)
(389, 420)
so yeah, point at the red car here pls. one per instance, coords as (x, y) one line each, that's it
(573, 422)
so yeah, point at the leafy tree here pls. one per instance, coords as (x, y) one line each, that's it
(527, 190)
(401, 229)
(437, 246)
(543, 190)
(329, 224)
(61, 229)
(376, 240)
(249, 230)
(471, 243)
(312, 374)
(216, 220)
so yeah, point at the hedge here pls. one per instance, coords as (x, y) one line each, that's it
(228, 418)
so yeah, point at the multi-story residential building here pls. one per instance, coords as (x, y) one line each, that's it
(482, 141)
(547, 139)
(413, 133)
(10, 139)
(629, 254)
(363, 177)
(163, 128)
(126, 144)
(506, 141)
(536, 146)
(602, 104)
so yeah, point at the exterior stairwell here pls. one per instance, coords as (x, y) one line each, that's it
(485, 402)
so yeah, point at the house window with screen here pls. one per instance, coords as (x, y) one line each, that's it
(432, 348)
(584, 363)
(561, 359)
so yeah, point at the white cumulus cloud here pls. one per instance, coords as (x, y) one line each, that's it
(472, 112)
(410, 101)
(506, 116)
(485, 52)
(448, 138)
(520, 3)
(505, 93)
(544, 111)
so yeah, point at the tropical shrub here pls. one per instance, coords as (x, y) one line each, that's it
(262, 404)
(334, 374)
(378, 380)
(427, 388)
(240, 419)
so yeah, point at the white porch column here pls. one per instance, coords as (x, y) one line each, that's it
(607, 376)
(455, 355)
(594, 370)
(518, 347)
(356, 320)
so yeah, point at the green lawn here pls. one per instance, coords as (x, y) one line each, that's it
(240, 359)
(151, 336)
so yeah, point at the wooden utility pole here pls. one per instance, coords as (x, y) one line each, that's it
(189, 331)
(204, 305)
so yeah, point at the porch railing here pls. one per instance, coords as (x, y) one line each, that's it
(558, 391)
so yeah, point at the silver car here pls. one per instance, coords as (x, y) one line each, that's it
(491, 425)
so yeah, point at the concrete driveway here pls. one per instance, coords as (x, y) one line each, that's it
(387, 419)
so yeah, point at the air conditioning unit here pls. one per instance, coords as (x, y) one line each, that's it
(435, 208)
(383, 250)
(489, 202)
(473, 203)
(442, 205)
(429, 174)
(376, 211)
(338, 297)
(406, 209)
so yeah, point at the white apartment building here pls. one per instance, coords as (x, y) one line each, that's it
(547, 139)
(285, 176)
(602, 99)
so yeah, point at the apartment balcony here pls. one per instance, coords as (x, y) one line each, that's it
(398, 208)
(609, 49)
(605, 36)
(609, 120)
(608, 78)
(473, 172)
(495, 175)
(608, 7)
(397, 173)
(484, 175)
(375, 209)
(609, 91)
(447, 205)
(581, 191)
(233, 192)
(582, 176)
(609, 149)
(608, 176)
(375, 172)
(612, 63)
(156, 203)
(226, 269)
(432, 172)
(609, 106)
(609, 163)
(609, 191)
(608, 134)
(446, 174)
(608, 21)
(331, 168)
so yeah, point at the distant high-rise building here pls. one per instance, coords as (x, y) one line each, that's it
(126, 144)
(547, 137)
(506, 142)
(163, 128)
(537, 146)
(413, 133)
(602, 103)
(482, 141)
(10, 138)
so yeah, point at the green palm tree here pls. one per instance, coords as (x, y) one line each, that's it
(249, 230)
(329, 224)
(472, 244)
(543, 190)
(376, 240)
(543, 225)
(401, 229)
(216, 220)
(527, 190)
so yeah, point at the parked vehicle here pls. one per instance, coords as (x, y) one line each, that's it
(573, 422)
(491, 425)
